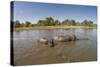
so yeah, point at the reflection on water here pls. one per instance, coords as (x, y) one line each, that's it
(28, 51)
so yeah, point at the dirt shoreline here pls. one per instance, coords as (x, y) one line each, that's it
(52, 27)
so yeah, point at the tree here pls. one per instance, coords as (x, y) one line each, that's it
(56, 22)
(73, 22)
(22, 24)
(27, 24)
(40, 22)
(16, 24)
(90, 23)
(66, 22)
(46, 22)
(78, 23)
(84, 22)
(69, 22)
(87, 23)
(49, 20)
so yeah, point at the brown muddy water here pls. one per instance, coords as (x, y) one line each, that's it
(28, 51)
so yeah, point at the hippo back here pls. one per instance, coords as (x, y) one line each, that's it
(43, 40)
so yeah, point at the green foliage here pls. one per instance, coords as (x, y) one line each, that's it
(57, 22)
(27, 24)
(78, 23)
(73, 22)
(87, 23)
(69, 22)
(16, 24)
(49, 21)
(22, 24)
(40, 22)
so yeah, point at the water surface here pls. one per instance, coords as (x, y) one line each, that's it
(27, 50)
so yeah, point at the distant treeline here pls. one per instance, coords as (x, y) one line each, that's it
(49, 21)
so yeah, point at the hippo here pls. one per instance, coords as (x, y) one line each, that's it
(60, 38)
(43, 40)
(67, 38)
(71, 38)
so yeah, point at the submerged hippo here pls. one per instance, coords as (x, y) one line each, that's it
(43, 40)
(67, 38)
(52, 42)
(46, 41)
(59, 38)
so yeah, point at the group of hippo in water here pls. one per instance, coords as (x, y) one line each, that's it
(60, 38)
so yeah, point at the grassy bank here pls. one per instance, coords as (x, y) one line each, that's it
(51, 27)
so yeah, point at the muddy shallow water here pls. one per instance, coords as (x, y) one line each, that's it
(27, 50)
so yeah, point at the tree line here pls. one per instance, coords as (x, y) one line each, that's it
(49, 21)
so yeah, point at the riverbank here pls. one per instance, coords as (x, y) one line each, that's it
(52, 27)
